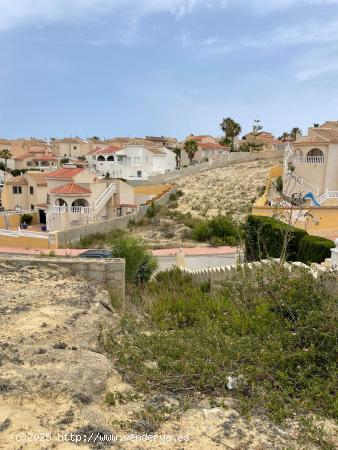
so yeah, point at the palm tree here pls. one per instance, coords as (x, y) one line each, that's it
(191, 148)
(285, 136)
(5, 154)
(295, 132)
(231, 129)
(177, 152)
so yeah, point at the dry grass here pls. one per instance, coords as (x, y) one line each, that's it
(229, 190)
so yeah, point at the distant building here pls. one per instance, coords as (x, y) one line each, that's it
(25, 192)
(136, 161)
(77, 197)
(311, 163)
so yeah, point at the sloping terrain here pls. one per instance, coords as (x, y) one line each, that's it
(228, 190)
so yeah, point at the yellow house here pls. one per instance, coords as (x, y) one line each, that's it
(311, 164)
(35, 159)
(26, 192)
(310, 174)
(71, 147)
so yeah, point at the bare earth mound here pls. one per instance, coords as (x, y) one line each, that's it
(228, 190)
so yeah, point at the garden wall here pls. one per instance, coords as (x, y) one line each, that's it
(222, 274)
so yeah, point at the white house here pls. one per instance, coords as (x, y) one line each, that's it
(133, 161)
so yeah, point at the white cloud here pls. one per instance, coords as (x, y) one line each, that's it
(22, 12)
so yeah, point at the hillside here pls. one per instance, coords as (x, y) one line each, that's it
(229, 190)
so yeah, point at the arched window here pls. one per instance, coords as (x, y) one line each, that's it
(60, 202)
(315, 155)
(298, 152)
(80, 202)
(101, 158)
(110, 158)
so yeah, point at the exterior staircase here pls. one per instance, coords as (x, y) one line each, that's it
(104, 197)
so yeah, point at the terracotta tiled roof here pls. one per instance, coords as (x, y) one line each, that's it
(17, 180)
(211, 146)
(105, 150)
(39, 177)
(65, 173)
(71, 189)
(45, 158)
(21, 157)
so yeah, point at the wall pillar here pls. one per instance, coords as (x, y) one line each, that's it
(334, 254)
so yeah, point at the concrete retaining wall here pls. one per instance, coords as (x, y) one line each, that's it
(109, 272)
(229, 159)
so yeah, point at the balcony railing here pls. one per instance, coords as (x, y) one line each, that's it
(308, 159)
(72, 209)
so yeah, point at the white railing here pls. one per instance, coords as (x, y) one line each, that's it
(23, 233)
(304, 184)
(105, 196)
(59, 209)
(329, 195)
(308, 159)
(81, 209)
(73, 209)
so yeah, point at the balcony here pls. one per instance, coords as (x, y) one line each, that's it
(72, 209)
(308, 159)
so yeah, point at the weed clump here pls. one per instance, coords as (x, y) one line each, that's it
(270, 341)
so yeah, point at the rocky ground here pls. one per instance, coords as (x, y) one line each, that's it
(54, 379)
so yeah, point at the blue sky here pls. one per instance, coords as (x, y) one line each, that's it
(165, 67)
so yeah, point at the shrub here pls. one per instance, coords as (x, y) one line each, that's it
(279, 184)
(218, 231)
(314, 249)
(26, 218)
(201, 232)
(140, 264)
(266, 236)
(275, 335)
(152, 210)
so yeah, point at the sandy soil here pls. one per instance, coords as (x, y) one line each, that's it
(229, 190)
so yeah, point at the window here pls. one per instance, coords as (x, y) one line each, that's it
(17, 190)
(32, 207)
(75, 147)
(139, 173)
(31, 190)
(48, 199)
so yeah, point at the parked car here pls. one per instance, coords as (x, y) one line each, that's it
(96, 253)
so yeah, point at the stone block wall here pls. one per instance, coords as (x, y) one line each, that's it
(107, 272)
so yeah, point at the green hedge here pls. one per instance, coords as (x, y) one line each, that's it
(265, 237)
(314, 249)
